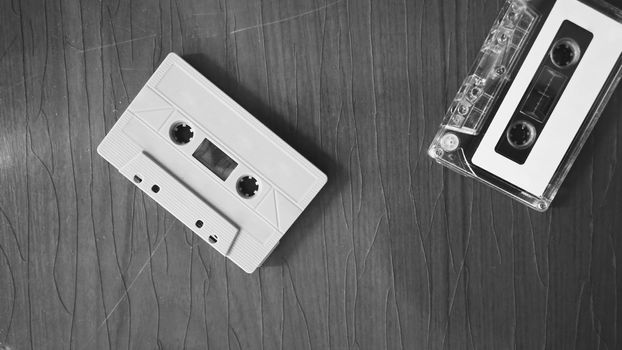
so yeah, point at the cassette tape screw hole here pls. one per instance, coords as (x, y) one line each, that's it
(475, 92)
(199, 224)
(181, 133)
(247, 187)
(503, 38)
(463, 109)
(155, 188)
(436, 152)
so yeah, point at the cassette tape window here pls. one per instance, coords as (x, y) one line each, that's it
(215, 159)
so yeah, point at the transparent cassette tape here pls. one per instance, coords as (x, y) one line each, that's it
(538, 86)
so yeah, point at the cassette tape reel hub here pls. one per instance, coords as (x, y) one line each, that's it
(211, 164)
(247, 187)
(538, 86)
(181, 133)
(566, 52)
(521, 134)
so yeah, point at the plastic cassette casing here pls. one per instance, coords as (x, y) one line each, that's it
(539, 85)
(211, 164)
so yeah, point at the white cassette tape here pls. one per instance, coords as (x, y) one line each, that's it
(211, 164)
(541, 81)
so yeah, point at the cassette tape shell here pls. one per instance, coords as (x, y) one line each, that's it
(211, 164)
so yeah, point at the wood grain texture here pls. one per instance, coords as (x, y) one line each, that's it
(396, 253)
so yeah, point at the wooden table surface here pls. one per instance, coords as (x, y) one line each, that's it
(396, 252)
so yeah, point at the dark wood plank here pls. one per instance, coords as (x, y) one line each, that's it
(396, 253)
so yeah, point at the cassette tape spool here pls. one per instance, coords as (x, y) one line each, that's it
(539, 84)
(211, 164)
